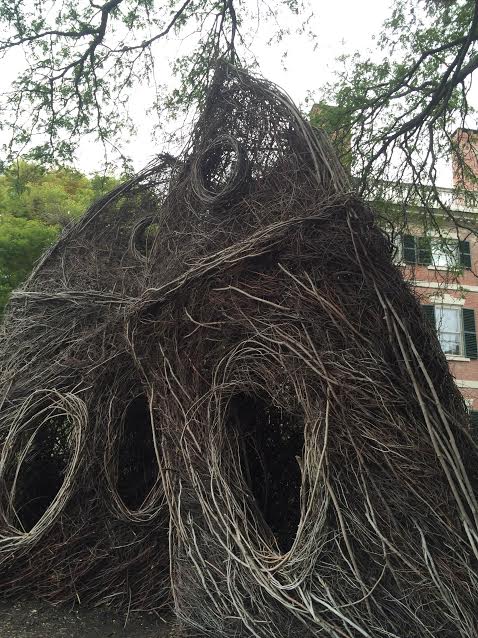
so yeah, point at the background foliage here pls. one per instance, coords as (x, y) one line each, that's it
(35, 204)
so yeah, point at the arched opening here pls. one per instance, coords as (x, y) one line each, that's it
(137, 463)
(219, 168)
(271, 444)
(219, 172)
(143, 237)
(42, 457)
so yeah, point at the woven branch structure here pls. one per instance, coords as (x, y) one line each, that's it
(217, 392)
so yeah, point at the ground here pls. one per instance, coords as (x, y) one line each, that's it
(34, 619)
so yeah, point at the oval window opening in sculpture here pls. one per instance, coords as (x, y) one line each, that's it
(42, 459)
(144, 236)
(137, 463)
(218, 173)
(219, 168)
(271, 444)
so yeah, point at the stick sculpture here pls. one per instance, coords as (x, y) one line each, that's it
(218, 391)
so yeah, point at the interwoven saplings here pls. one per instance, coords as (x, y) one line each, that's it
(217, 390)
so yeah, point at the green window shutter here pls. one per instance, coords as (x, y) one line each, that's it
(469, 332)
(409, 252)
(465, 255)
(474, 418)
(424, 252)
(474, 423)
(429, 312)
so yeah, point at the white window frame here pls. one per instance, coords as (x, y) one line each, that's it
(461, 354)
(451, 256)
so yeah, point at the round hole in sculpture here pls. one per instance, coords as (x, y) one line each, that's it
(143, 237)
(270, 442)
(137, 463)
(219, 171)
(41, 458)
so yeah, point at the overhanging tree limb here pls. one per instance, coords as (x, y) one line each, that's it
(404, 105)
(83, 61)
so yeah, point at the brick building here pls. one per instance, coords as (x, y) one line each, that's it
(444, 268)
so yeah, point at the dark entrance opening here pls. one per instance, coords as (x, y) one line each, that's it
(42, 458)
(144, 235)
(270, 441)
(137, 463)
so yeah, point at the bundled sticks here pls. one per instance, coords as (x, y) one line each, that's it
(218, 392)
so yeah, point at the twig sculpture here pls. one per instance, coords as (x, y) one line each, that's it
(237, 401)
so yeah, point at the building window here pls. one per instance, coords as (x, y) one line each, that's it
(449, 327)
(439, 252)
(445, 253)
(455, 329)
(416, 250)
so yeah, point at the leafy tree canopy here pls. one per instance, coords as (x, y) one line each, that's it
(83, 59)
(54, 197)
(22, 241)
(34, 204)
(404, 105)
